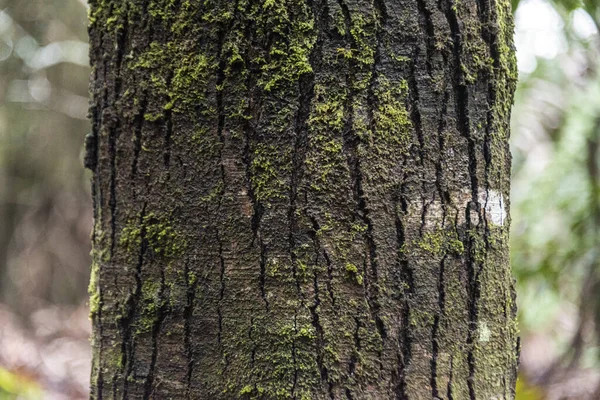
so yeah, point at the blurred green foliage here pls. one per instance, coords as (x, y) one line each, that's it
(13, 386)
(555, 241)
(526, 391)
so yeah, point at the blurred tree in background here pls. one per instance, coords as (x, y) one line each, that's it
(45, 211)
(44, 207)
(556, 204)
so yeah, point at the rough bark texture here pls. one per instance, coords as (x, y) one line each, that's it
(302, 199)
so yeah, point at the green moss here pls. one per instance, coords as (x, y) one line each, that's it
(179, 71)
(326, 122)
(151, 304)
(216, 191)
(192, 278)
(353, 271)
(281, 270)
(363, 31)
(478, 248)
(153, 117)
(339, 22)
(265, 173)
(392, 120)
(400, 59)
(112, 358)
(156, 230)
(328, 107)
(94, 303)
(97, 256)
(289, 55)
(110, 15)
(420, 318)
(441, 242)
(351, 268)
(246, 390)
(163, 10)
(290, 358)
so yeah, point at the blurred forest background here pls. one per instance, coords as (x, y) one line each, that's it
(46, 219)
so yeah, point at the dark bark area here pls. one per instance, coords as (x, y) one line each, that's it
(302, 199)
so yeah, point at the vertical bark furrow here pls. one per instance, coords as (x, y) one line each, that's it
(262, 275)
(464, 126)
(429, 33)
(473, 291)
(220, 115)
(295, 378)
(156, 327)
(449, 386)
(461, 95)
(489, 37)
(137, 141)
(320, 250)
(112, 202)
(436, 328)
(114, 123)
(127, 321)
(441, 183)
(221, 297)
(168, 134)
(319, 330)
(406, 275)
(434, 357)
(188, 320)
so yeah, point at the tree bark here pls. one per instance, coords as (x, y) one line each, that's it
(301, 199)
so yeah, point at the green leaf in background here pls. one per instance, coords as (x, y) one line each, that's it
(13, 386)
(526, 391)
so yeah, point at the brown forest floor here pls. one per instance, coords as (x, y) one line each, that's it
(47, 356)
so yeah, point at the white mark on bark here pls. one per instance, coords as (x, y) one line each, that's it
(495, 207)
(484, 332)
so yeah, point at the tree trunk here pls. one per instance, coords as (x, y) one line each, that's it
(302, 199)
